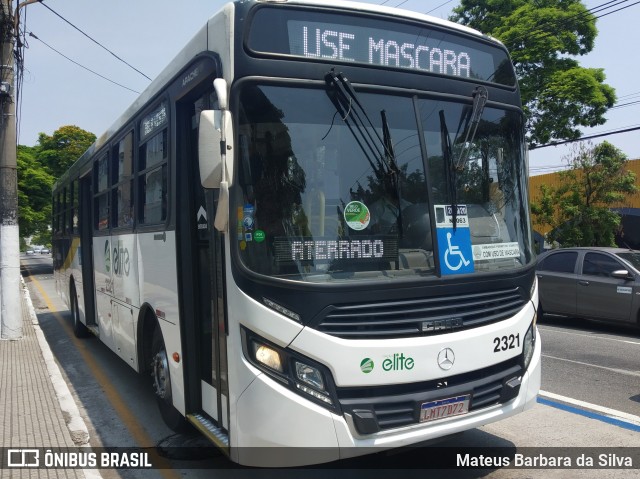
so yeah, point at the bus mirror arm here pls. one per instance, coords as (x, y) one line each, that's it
(222, 212)
(220, 86)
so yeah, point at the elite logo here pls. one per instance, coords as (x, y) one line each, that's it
(366, 365)
(395, 362)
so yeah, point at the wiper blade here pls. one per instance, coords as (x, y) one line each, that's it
(480, 96)
(348, 105)
(450, 171)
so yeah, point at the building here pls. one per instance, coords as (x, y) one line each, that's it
(629, 235)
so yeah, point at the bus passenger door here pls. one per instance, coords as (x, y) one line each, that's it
(86, 250)
(203, 305)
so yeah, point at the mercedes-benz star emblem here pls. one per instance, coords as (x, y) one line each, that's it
(446, 358)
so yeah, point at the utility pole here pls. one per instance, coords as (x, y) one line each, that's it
(10, 300)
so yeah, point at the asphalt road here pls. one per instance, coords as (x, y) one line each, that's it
(591, 369)
(596, 362)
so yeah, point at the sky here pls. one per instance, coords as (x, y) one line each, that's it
(148, 33)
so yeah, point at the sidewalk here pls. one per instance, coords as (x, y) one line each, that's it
(36, 407)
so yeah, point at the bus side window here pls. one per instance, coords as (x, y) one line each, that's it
(101, 187)
(153, 180)
(122, 198)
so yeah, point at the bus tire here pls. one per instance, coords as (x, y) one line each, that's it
(79, 329)
(161, 382)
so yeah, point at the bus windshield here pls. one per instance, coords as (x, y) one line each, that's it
(330, 192)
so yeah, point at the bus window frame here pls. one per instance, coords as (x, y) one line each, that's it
(103, 154)
(117, 181)
(139, 174)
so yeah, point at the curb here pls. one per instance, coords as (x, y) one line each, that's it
(77, 427)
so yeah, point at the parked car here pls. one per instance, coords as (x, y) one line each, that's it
(591, 283)
(30, 251)
(45, 251)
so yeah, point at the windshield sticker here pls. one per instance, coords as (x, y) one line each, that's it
(357, 215)
(246, 224)
(454, 245)
(259, 236)
(239, 228)
(482, 252)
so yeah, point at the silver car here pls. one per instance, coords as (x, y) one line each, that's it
(591, 283)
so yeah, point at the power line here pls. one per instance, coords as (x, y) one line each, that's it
(441, 5)
(94, 41)
(81, 66)
(599, 135)
(622, 105)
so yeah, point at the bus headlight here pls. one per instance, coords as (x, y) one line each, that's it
(529, 345)
(302, 375)
(310, 375)
(268, 356)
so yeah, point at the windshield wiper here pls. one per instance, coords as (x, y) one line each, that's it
(480, 96)
(353, 113)
(346, 101)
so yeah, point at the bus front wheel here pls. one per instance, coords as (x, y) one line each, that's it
(162, 384)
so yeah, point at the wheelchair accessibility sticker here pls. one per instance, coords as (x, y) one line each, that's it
(454, 245)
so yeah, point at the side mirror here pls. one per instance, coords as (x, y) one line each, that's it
(622, 274)
(215, 151)
(210, 148)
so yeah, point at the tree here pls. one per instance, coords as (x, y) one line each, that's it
(59, 151)
(578, 211)
(38, 168)
(34, 193)
(543, 36)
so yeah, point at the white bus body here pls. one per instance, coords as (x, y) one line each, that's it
(136, 251)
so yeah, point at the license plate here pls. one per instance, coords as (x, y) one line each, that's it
(442, 408)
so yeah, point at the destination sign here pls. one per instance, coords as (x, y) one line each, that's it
(381, 48)
(387, 43)
(311, 250)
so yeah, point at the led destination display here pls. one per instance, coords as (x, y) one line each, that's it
(343, 38)
(314, 251)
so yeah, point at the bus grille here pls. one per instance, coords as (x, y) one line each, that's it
(378, 408)
(421, 316)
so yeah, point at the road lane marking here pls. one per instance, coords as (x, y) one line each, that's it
(604, 414)
(614, 370)
(589, 336)
(130, 421)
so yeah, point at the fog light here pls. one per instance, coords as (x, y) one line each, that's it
(529, 345)
(309, 375)
(267, 356)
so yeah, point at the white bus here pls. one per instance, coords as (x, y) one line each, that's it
(312, 231)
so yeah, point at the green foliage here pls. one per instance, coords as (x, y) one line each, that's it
(38, 168)
(558, 95)
(59, 151)
(34, 192)
(578, 211)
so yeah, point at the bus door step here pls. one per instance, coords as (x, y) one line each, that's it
(215, 434)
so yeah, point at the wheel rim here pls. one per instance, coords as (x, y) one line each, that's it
(160, 373)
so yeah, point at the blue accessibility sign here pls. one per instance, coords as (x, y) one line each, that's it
(454, 247)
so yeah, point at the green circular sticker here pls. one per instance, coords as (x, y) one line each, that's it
(366, 366)
(357, 215)
(258, 236)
